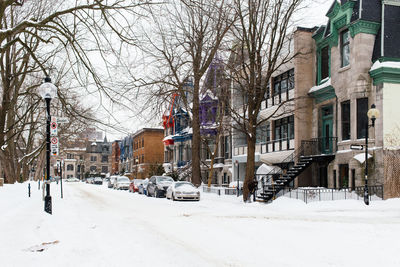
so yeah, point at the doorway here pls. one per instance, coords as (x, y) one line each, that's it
(343, 175)
(327, 129)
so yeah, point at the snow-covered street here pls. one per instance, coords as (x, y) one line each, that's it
(97, 226)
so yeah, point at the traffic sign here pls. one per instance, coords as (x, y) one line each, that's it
(54, 140)
(63, 120)
(356, 147)
(53, 128)
(54, 151)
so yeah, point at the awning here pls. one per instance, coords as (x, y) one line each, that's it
(361, 157)
(243, 158)
(275, 157)
(264, 169)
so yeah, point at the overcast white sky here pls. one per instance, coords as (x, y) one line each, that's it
(313, 15)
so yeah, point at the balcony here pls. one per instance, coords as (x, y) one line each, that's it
(271, 146)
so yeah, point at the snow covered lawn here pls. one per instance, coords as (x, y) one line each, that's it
(96, 226)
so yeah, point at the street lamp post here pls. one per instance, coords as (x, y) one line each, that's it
(48, 91)
(372, 114)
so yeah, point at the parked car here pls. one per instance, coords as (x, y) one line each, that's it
(142, 187)
(134, 186)
(111, 181)
(183, 191)
(97, 180)
(158, 185)
(122, 182)
(72, 179)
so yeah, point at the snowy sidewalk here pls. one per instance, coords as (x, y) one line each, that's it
(96, 226)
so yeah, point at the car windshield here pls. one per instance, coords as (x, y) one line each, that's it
(179, 184)
(164, 179)
(123, 179)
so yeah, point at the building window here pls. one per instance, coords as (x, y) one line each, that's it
(70, 167)
(142, 142)
(142, 158)
(93, 158)
(284, 82)
(345, 47)
(284, 128)
(324, 60)
(362, 119)
(104, 158)
(227, 147)
(104, 169)
(346, 120)
(93, 169)
(70, 156)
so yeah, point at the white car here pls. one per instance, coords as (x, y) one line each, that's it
(72, 179)
(183, 191)
(122, 182)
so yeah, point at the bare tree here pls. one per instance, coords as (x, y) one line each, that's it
(33, 36)
(262, 46)
(181, 46)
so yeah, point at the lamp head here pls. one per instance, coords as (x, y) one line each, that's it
(373, 112)
(47, 89)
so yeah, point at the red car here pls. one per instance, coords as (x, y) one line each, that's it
(134, 186)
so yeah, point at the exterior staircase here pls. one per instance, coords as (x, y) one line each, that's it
(185, 173)
(310, 151)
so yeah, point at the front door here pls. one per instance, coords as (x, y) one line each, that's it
(327, 130)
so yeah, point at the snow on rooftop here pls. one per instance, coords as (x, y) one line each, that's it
(385, 64)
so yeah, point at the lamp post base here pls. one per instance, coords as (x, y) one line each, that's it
(366, 195)
(47, 204)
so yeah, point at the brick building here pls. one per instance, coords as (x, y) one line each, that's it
(148, 151)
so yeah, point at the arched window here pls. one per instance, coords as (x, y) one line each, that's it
(70, 167)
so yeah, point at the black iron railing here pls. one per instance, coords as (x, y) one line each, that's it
(307, 195)
(312, 147)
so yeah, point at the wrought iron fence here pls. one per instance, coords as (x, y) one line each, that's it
(222, 190)
(324, 194)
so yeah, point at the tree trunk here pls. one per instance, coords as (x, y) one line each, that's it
(196, 177)
(251, 149)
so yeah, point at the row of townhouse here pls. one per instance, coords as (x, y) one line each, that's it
(178, 132)
(354, 63)
(139, 154)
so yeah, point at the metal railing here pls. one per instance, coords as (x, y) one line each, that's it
(326, 194)
(312, 147)
(222, 190)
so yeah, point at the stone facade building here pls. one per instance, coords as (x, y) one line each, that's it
(355, 64)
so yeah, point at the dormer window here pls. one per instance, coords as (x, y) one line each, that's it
(345, 47)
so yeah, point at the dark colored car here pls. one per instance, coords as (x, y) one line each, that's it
(98, 180)
(158, 185)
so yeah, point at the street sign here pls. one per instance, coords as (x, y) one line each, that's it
(63, 120)
(53, 128)
(54, 146)
(54, 151)
(356, 147)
